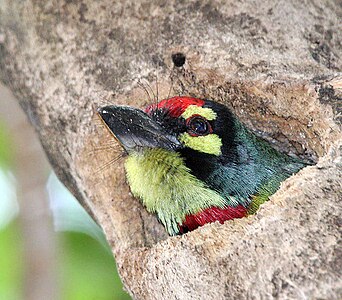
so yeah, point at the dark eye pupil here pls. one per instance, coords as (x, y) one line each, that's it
(199, 126)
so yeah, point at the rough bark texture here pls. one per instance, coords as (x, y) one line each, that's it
(275, 64)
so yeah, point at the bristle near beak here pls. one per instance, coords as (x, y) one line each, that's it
(135, 129)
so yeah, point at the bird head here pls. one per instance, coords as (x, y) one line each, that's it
(184, 159)
(172, 124)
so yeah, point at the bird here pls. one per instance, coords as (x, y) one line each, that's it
(190, 161)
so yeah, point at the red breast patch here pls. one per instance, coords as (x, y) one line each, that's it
(210, 215)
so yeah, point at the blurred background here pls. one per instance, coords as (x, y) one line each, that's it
(49, 247)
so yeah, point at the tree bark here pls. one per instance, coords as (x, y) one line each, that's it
(275, 64)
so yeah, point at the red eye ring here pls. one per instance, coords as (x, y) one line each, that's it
(198, 126)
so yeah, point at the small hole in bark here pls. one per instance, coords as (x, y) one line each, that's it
(178, 59)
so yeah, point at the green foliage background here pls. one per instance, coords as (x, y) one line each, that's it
(86, 268)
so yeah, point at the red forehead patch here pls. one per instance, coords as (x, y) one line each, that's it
(175, 105)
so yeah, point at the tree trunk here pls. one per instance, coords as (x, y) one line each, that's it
(275, 64)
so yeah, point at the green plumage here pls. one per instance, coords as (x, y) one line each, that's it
(256, 172)
(167, 187)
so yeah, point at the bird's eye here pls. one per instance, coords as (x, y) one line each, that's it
(197, 125)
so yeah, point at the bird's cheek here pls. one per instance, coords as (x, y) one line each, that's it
(210, 143)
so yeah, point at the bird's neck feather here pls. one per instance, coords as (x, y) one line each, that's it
(248, 166)
(166, 186)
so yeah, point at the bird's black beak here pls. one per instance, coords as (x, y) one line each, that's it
(134, 129)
